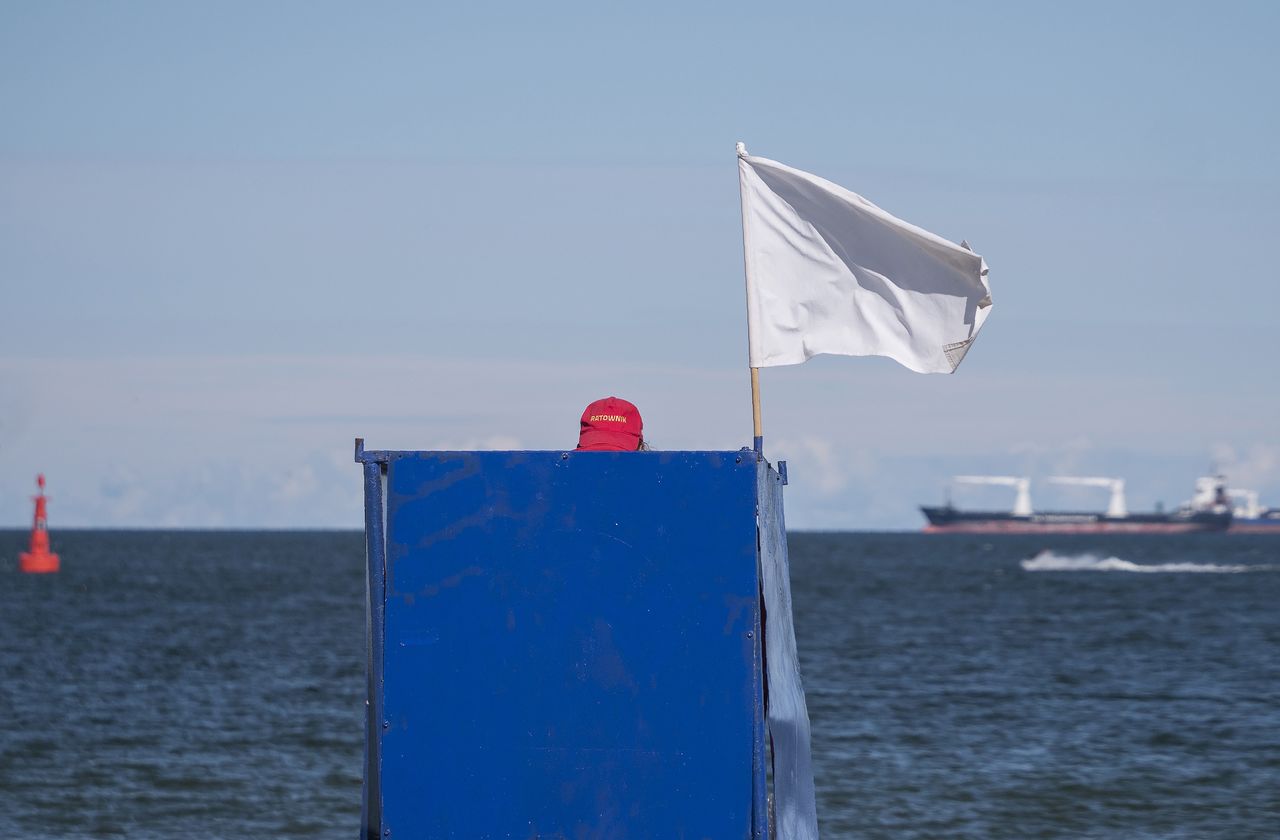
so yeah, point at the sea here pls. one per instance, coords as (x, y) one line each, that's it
(184, 684)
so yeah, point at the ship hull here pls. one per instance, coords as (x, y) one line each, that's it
(1266, 525)
(944, 520)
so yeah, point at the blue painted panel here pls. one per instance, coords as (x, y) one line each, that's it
(571, 645)
(795, 810)
(375, 597)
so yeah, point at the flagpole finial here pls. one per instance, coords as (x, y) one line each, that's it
(741, 149)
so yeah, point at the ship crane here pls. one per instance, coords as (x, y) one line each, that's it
(1022, 503)
(1250, 509)
(1116, 508)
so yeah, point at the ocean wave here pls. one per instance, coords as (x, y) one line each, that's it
(1047, 561)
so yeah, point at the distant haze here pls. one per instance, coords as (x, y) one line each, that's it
(233, 237)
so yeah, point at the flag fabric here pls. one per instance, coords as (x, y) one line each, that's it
(830, 272)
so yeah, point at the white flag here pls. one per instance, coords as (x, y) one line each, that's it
(830, 272)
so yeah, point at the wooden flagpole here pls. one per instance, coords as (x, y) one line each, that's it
(755, 410)
(757, 432)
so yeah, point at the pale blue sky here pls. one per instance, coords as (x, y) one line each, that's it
(234, 236)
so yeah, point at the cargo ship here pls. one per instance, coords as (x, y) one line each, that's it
(1249, 517)
(1209, 510)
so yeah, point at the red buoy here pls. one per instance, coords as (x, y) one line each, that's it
(39, 560)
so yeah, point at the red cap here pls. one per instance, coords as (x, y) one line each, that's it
(611, 424)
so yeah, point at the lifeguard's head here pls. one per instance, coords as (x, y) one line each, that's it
(611, 424)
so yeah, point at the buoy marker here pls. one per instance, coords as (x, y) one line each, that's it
(39, 560)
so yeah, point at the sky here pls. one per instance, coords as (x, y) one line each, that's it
(235, 236)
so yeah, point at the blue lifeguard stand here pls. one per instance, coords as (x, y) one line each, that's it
(575, 645)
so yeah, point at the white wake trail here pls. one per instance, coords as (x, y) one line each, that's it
(1047, 561)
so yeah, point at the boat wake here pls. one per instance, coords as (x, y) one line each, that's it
(1047, 561)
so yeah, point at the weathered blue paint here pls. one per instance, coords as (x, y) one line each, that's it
(759, 754)
(373, 456)
(571, 645)
(375, 563)
(795, 815)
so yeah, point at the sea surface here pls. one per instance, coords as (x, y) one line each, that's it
(210, 685)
